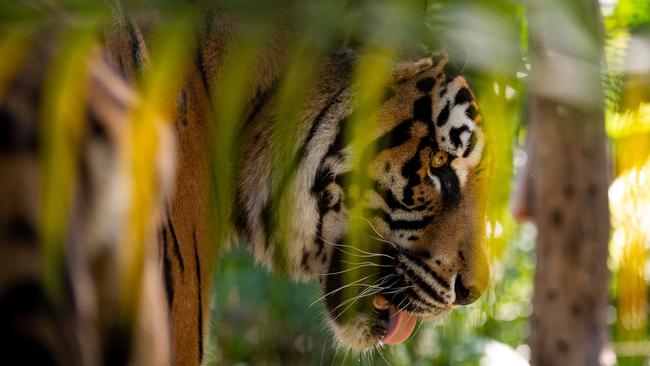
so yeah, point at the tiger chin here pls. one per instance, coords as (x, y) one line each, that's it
(419, 250)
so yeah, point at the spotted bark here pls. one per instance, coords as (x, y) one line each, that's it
(570, 171)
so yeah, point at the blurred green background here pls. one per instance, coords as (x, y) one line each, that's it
(265, 319)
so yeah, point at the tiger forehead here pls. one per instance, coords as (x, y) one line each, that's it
(414, 99)
(434, 110)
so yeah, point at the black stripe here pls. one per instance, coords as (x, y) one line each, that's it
(261, 99)
(451, 71)
(449, 185)
(336, 207)
(283, 181)
(26, 316)
(118, 345)
(241, 214)
(324, 204)
(97, 128)
(443, 116)
(422, 109)
(471, 145)
(324, 176)
(136, 53)
(426, 85)
(411, 167)
(20, 230)
(167, 268)
(470, 112)
(197, 264)
(334, 150)
(332, 282)
(398, 136)
(319, 237)
(396, 285)
(323, 207)
(403, 296)
(401, 224)
(318, 121)
(454, 135)
(463, 96)
(421, 284)
(418, 262)
(200, 64)
(337, 144)
(161, 243)
(418, 299)
(304, 262)
(409, 171)
(177, 249)
(16, 135)
(392, 202)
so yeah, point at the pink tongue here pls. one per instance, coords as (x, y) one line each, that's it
(400, 326)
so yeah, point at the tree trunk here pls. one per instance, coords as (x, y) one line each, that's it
(570, 168)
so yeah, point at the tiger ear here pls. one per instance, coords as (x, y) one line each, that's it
(407, 70)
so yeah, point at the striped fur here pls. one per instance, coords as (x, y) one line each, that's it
(81, 324)
(428, 220)
(423, 223)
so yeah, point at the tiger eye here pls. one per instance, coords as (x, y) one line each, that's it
(439, 159)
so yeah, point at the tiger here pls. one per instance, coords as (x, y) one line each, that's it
(422, 204)
(422, 209)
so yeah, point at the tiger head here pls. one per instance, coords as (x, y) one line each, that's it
(418, 251)
(421, 250)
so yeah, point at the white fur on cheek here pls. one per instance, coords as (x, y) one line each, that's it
(356, 334)
(435, 180)
(462, 165)
(457, 119)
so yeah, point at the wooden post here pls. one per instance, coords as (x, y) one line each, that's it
(570, 170)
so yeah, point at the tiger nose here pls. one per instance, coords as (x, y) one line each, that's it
(465, 295)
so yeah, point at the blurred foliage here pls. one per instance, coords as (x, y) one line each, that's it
(264, 319)
(62, 116)
(628, 126)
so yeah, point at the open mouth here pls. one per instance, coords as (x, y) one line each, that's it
(383, 305)
(399, 325)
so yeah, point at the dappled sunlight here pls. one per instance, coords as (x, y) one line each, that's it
(630, 207)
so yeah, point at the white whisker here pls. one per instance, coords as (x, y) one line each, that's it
(369, 223)
(381, 354)
(345, 270)
(336, 353)
(369, 291)
(383, 240)
(367, 254)
(369, 264)
(398, 306)
(339, 289)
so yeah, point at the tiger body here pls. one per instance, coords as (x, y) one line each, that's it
(425, 214)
